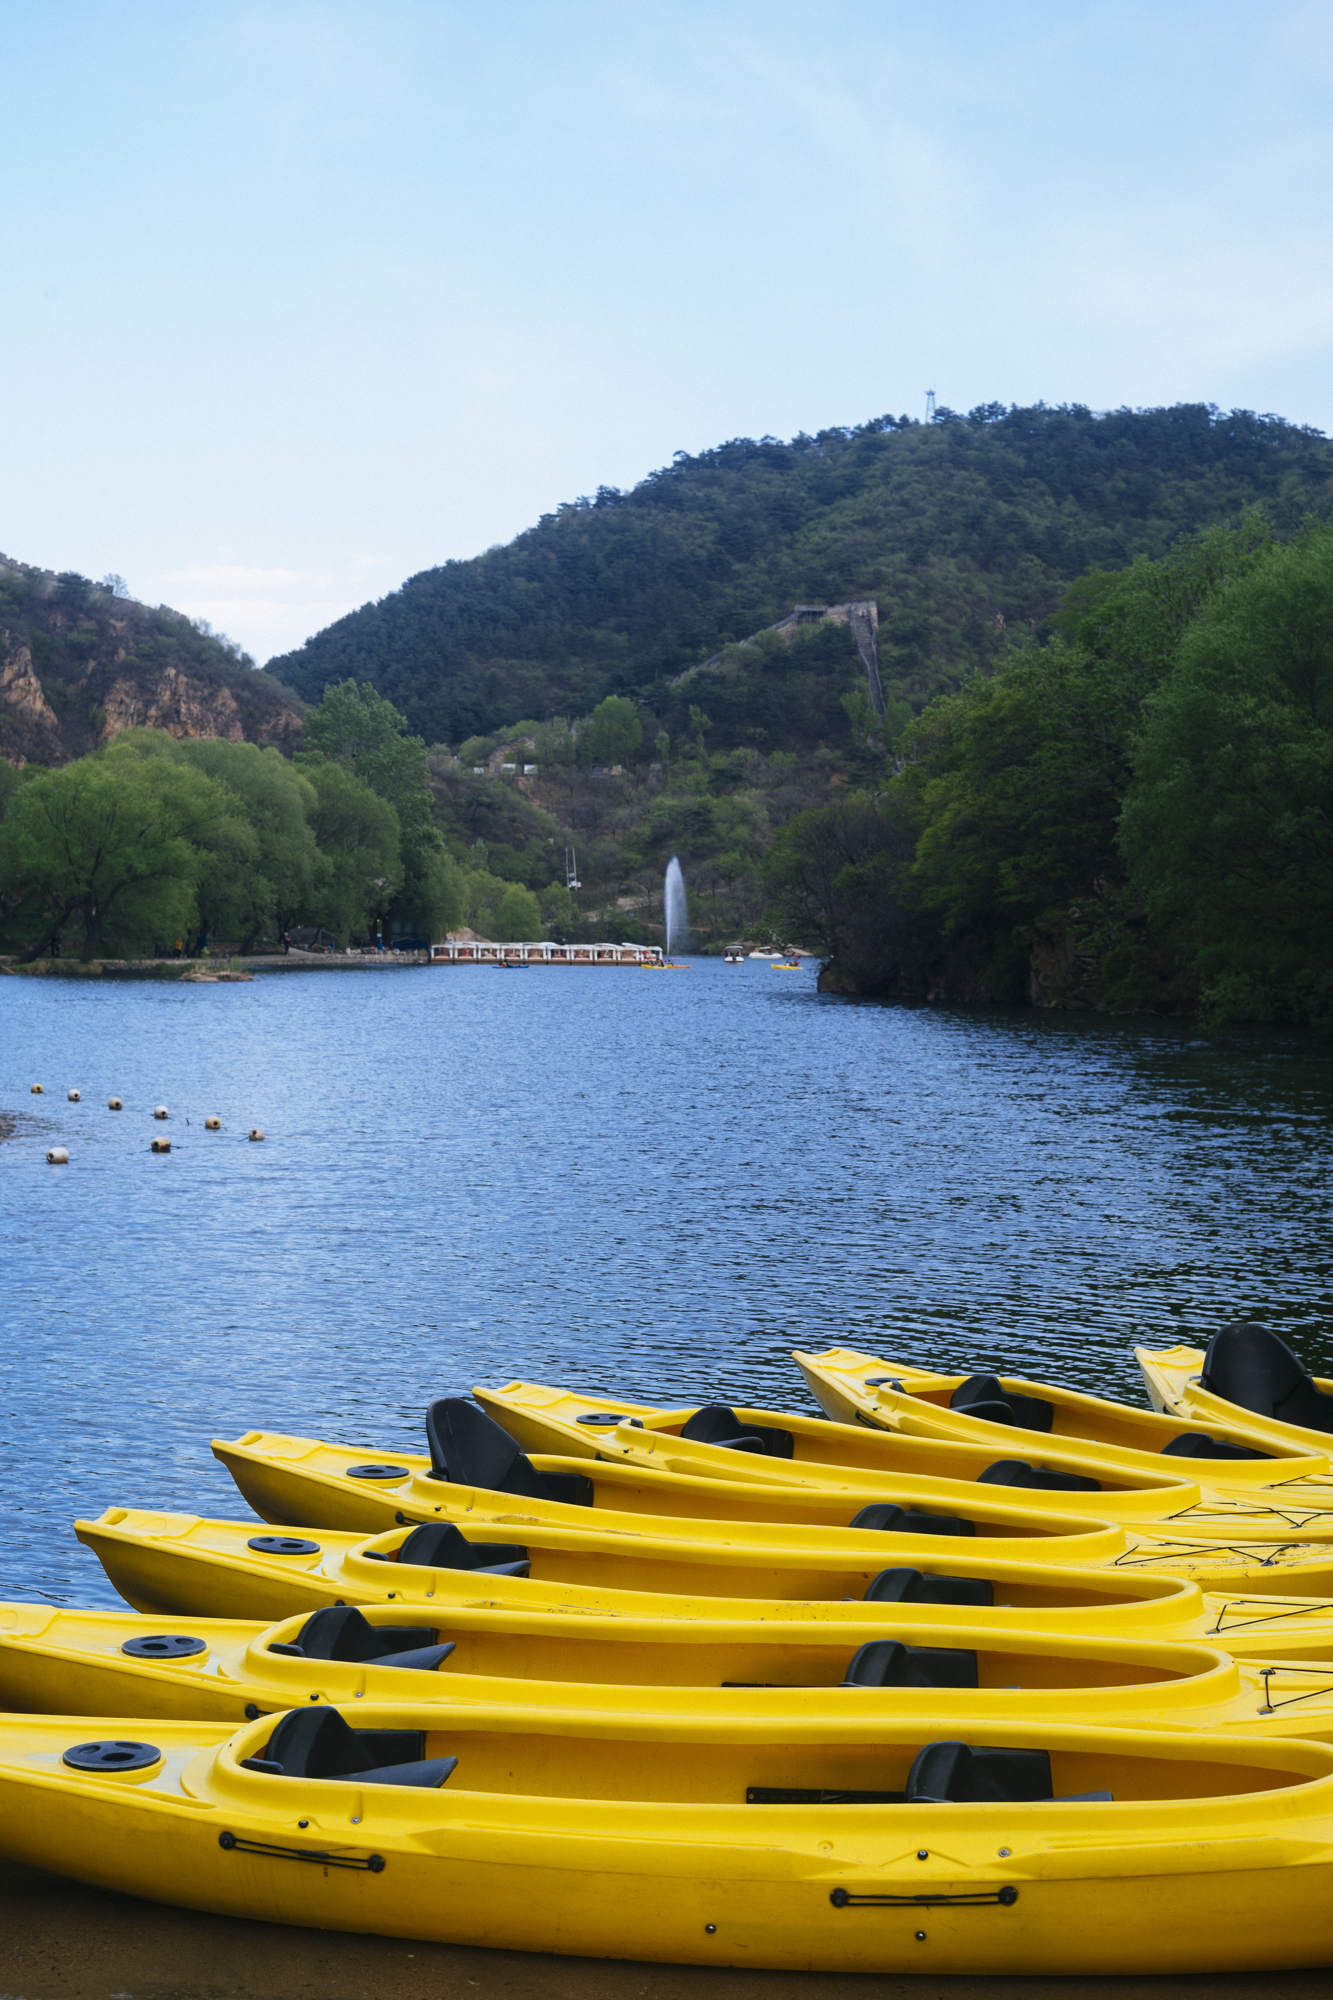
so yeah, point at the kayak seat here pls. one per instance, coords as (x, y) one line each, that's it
(717, 1423)
(885, 1663)
(1249, 1365)
(468, 1448)
(914, 1586)
(341, 1632)
(1194, 1444)
(986, 1396)
(440, 1545)
(1041, 1478)
(971, 1775)
(888, 1519)
(318, 1743)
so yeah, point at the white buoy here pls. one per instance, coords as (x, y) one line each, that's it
(256, 1131)
(73, 1096)
(57, 1157)
(114, 1104)
(212, 1124)
(160, 1146)
(37, 1090)
(160, 1111)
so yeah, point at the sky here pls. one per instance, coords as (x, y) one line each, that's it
(297, 300)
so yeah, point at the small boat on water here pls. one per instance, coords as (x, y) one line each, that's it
(853, 1387)
(1246, 1375)
(119, 1663)
(817, 1453)
(887, 1848)
(477, 1472)
(180, 1563)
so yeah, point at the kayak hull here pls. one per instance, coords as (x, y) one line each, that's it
(1191, 1882)
(854, 1387)
(1171, 1377)
(179, 1564)
(67, 1662)
(859, 1456)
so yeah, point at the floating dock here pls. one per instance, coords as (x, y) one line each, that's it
(544, 953)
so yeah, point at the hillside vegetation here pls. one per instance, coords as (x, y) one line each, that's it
(79, 662)
(1137, 814)
(962, 531)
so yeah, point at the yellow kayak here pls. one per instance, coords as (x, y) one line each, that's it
(1028, 1849)
(1234, 1455)
(819, 1455)
(180, 1563)
(307, 1481)
(1245, 1375)
(118, 1663)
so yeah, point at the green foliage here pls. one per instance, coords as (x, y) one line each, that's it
(87, 644)
(273, 886)
(356, 832)
(116, 842)
(612, 734)
(1138, 812)
(1228, 825)
(517, 916)
(964, 530)
(357, 728)
(559, 911)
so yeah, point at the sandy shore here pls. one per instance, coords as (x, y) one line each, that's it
(60, 1941)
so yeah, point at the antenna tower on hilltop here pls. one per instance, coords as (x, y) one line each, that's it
(930, 406)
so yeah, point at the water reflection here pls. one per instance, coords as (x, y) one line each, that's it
(470, 1177)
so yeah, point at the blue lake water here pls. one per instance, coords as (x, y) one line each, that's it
(654, 1185)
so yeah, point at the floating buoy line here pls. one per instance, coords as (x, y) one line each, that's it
(58, 1156)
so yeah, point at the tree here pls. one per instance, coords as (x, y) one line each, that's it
(278, 803)
(559, 910)
(1228, 824)
(117, 841)
(366, 734)
(611, 734)
(360, 861)
(517, 917)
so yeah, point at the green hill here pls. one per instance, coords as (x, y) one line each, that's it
(960, 530)
(79, 663)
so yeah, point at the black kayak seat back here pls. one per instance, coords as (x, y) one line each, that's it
(319, 1743)
(886, 1663)
(440, 1545)
(986, 1396)
(1039, 1478)
(974, 1774)
(468, 1448)
(914, 1586)
(717, 1423)
(1247, 1364)
(341, 1632)
(887, 1518)
(968, 1775)
(1197, 1444)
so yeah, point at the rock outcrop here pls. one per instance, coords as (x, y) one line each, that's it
(78, 664)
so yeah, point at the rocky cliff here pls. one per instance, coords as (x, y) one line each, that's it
(78, 663)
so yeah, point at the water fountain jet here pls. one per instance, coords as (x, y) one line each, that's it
(675, 907)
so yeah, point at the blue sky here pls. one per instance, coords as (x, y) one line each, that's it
(298, 299)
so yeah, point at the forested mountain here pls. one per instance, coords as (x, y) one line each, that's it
(79, 662)
(961, 530)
